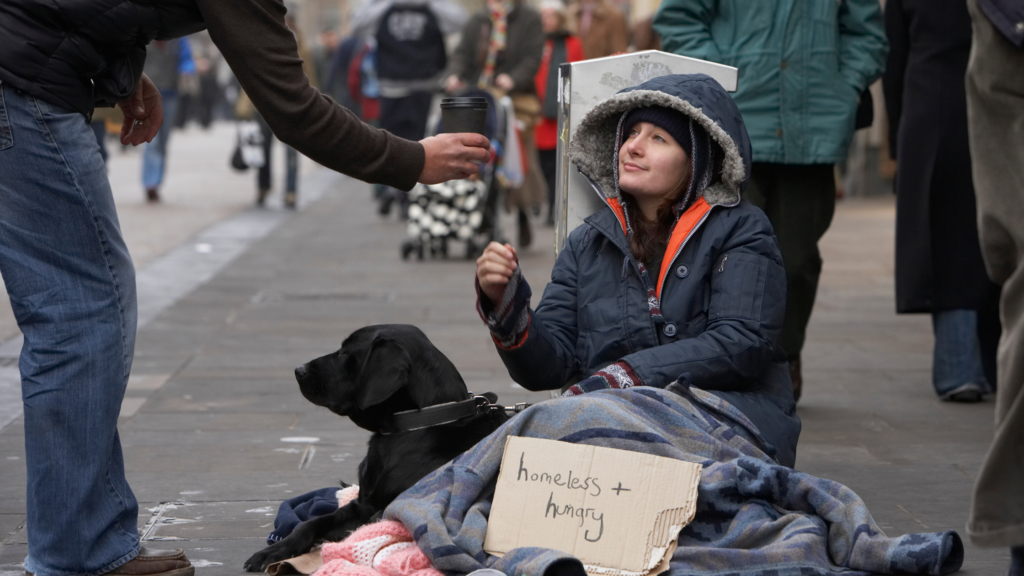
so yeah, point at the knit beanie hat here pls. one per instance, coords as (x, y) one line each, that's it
(556, 5)
(672, 121)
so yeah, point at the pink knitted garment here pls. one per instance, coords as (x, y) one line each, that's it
(347, 494)
(383, 548)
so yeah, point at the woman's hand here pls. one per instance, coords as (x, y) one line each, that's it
(494, 268)
(505, 82)
(453, 84)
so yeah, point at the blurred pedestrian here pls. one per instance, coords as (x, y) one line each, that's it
(65, 265)
(559, 47)
(210, 94)
(323, 51)
(643, 35)
(166, 62)
(362, 81)
(600, 26)
(501, 48)
(336, 82)
(995, 112)
(244, 110)
(803, 66)
(939, 268)
(264, 183)
(411, 59)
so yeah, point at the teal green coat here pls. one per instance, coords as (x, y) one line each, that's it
(802, 66)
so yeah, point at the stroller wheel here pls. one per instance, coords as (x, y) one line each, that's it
(444, 248)
(407, 247)
(419, 251)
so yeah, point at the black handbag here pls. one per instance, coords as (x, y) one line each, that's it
(237, 162)
(865, 110)
(249, 151)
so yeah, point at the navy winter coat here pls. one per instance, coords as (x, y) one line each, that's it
(721, 294)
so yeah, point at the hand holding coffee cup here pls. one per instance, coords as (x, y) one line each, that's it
(453, 156)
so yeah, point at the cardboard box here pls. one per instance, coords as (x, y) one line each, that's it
(619, 512)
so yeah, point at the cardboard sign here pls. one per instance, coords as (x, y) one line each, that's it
(619, 512)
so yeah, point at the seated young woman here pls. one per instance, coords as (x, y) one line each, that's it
(678, 277)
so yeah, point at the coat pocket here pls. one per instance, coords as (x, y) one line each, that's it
(6, 134)
(737, 287)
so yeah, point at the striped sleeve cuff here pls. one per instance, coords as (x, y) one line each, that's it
(618, 375)
(509, 321)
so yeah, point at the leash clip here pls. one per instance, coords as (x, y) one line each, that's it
(484, 404)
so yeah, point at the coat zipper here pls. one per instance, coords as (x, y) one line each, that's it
(629, 257)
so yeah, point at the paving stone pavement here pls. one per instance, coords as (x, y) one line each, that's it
(220, 434)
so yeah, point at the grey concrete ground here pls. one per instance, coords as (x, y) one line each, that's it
(219, 435)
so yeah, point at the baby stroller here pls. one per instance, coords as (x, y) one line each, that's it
(464, 210)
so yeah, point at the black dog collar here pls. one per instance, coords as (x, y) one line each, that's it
(448, 412)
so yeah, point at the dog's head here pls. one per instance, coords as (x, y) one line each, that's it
(378, 371)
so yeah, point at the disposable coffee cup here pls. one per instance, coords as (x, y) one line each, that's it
(464, 114)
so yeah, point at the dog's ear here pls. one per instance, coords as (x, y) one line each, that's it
(385, 371)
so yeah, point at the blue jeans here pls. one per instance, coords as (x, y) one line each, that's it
(72, 288)
(100, 129)
(957, 357)
(154, 159)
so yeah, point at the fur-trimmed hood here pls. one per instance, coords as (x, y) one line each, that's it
(699, 97)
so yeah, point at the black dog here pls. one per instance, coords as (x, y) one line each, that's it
(380, 371)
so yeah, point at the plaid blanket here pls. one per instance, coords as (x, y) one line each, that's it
(753, 516)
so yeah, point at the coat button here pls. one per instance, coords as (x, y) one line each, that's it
(778, 133)
(783, 65)
(670, 329)
(682, 272)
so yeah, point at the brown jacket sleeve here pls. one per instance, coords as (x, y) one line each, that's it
(619, 40)
(262, 52)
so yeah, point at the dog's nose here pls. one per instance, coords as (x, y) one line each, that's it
(300, 372)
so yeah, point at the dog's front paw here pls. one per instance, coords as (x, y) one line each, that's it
(259, 561)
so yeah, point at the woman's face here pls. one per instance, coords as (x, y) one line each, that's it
(652, 165)
(551, 20)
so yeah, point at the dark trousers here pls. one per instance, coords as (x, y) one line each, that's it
(291, 159)
(799, 200)
(406, 117)
(549, 166)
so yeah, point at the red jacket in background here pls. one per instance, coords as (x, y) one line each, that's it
(546, 132)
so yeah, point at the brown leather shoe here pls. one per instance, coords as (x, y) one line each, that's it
(797, 378)
(157, 563)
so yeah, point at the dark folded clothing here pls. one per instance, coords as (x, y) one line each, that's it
(297, 510)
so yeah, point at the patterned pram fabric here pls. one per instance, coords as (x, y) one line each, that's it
(753, 516)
